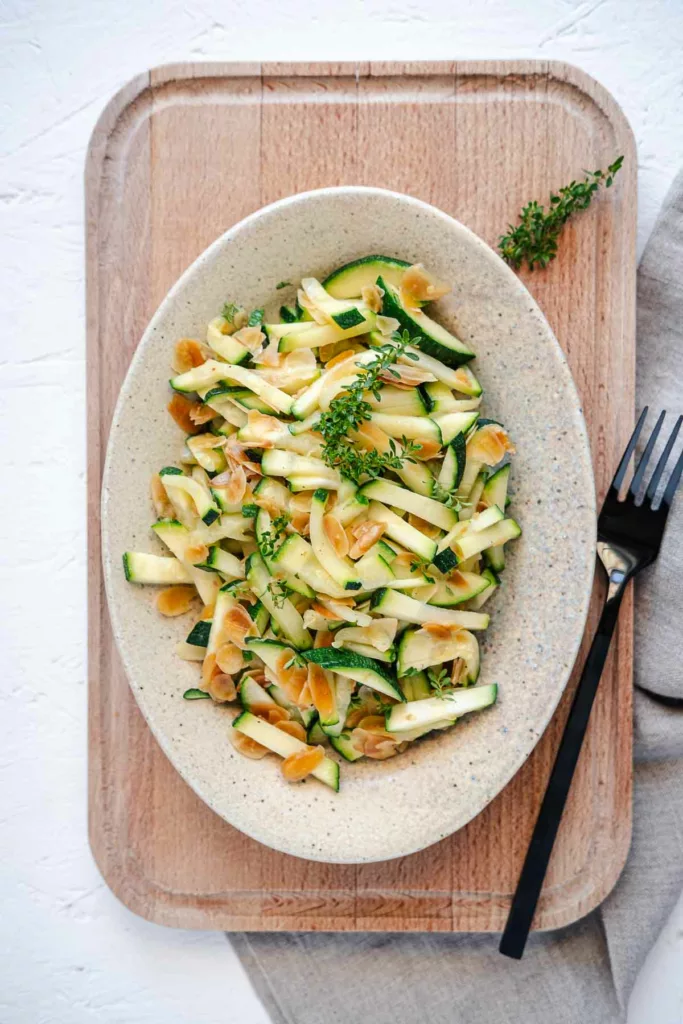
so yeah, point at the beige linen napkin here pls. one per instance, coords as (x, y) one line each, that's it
(582, 974)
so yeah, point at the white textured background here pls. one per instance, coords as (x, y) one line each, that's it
(70, 953)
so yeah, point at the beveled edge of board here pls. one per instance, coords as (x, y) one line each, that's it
(123, 876)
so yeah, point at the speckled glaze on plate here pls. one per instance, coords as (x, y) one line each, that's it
(389, 808)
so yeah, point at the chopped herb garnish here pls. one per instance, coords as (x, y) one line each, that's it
(279, 591)
(195, 694)
(534, 240)
(439, 682)
(230, 310)
(282, 284)
(255, 317)
(349, 410)
(270, 538)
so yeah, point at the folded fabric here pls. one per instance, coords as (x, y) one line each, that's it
(582, 974)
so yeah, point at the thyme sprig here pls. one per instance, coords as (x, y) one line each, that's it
(535, 238)
(439, 681)
(350, 409)
(270, 538)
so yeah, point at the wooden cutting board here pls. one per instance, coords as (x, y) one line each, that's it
(180, 155)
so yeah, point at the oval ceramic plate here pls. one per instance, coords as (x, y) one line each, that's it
(389, 808)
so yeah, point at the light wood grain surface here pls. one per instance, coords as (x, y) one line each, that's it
(180, 155)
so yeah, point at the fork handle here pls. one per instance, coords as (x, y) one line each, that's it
(540, 848)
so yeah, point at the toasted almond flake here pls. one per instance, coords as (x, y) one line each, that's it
(293, 678)
(326, 613)
(322, 693)
(269, 506)
(234, 492)
(306, 303)
(341, 359)
(180, 409)
(175, 600)
(379, 634)
(276, 714)
(301, 502)
(387, 324)
(300, 361)
(399, 375)
(427, 593)
(301, 524)
(222, 687)
(270, 357)
(237, 626)
(258, 675)
(300, 764)
(428, 449)
(458, 671)
(366, 533)
(229, 659)
(371, 295)
(305, 699)
(202, 414)
(266, 428)
(187, 354)
(246, 746)
(374, 744)
(196, 553)
(323, 639)
(252, 338)
(209, 670)
(162, 506)
(371, 436)
(419, 286)
(373, 723)
(314, 620)
(429, 529)
(294, 729)
(208, 611)
(489, 444)
(346, 612)
(334, 531)
(440, 631)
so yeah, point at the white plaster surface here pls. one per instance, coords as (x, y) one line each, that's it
(70, 953)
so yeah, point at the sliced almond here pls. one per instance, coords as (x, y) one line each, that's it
(196, 553)
(162, 506)
(427, 449)
(429, 529)
(175, 600)
(180, 409)
(209, 669)
(222, 687)
(323, 638)
(229, 659)
(322, 694)
(237, 626)
(294, 729)
(187, 354)
(300, 764)
(408, 376)
(440, 631)
(371, 295)
(276, 714)
(246, 746)
(341, 358)
(293, 678)
(334, 531)
(387, 325)
(251, 337)
(490, 444)
(418, 286)
(301, 524)
(201, 414)
(366, 533)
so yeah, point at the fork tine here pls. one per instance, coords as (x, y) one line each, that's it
(645, 457)
(657, 475)
(668, 496)
(630, 448)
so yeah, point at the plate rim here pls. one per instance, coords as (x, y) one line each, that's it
(111, 564)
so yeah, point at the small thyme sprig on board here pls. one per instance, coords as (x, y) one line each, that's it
(349, 410)
(534, 240)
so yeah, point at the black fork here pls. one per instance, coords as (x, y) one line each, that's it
(629, 538)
